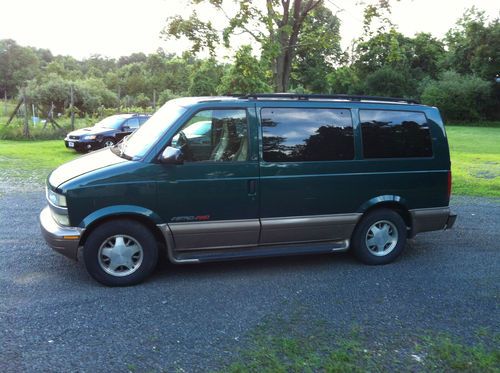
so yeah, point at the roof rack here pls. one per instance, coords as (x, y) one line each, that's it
(306, 97)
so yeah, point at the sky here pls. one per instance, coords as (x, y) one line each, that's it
(114, 28)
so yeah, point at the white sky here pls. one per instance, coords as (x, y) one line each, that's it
(115, 28)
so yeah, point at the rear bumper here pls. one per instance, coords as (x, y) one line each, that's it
(431, 219)
(451, 221)
(64, 240)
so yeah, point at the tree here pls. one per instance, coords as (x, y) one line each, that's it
(474, 45)
(459, 97)
(318, 51)
(17, 65)
(275, 25)
(206, 78)
(245, 75)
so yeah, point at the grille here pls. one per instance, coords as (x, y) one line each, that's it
(74, 137)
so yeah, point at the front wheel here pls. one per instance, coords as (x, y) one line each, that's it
(107, 142)
(380, 237)
(120, 253)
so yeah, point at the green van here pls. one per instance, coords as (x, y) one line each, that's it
(224, 178)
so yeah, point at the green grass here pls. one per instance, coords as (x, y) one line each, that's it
(32, 159)
(475, 160)
(302, 344)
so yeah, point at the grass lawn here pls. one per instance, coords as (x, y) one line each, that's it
(32, 159)
(475, 155)
(475, 160)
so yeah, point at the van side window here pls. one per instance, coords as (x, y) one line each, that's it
(214, 135)
(395, 134)
(306, 135)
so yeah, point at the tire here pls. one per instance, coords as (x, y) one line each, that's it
(380, 237)
(107, 142)
(120, 253)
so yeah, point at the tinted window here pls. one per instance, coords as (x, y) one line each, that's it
(142, 120)
(395, 134)
(214, 135)
(298, 135)
(133, 123)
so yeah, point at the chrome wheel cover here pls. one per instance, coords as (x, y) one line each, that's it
(108, 143)
(381, 238)
(120, 255)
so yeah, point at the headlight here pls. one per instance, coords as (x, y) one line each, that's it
(89, 137)
(56, 199)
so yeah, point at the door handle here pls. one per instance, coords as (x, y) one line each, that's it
(252, 187)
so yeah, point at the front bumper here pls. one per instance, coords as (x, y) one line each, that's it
(64, 240)
(82, 146)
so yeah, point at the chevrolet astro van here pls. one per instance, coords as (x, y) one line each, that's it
(224, 178)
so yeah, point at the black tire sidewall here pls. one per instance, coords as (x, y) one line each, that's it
(107, 139)
(359, 247)
(139, 232)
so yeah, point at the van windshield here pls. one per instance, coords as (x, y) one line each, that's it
(136, 145)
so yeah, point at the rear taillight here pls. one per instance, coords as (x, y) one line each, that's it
(449, 184)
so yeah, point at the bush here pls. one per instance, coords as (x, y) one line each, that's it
(459, 97)
(388, 81)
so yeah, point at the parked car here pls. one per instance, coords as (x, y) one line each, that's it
(223, 178)
(107, 132)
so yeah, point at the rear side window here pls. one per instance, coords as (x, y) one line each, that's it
(395, 134)
(306, 135)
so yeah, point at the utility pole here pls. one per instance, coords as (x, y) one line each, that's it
(72, 102)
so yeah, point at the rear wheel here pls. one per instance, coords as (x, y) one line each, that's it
(380, 237)
(120, 253)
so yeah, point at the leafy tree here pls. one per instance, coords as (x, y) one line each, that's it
(389, 82)
(459, 97)
(318, 51)
(17, 65)
(274, 25)
(206, 78)
(474, 45)
(245, 75)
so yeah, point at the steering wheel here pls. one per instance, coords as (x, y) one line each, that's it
(184, 146)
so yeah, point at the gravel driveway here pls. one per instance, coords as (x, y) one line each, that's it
(53, 317)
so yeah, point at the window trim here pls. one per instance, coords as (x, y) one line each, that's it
(261, 133)
(362, 152)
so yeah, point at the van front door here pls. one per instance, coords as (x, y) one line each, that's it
(210, 200)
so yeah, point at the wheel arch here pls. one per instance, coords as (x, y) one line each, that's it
(392, 202)
(136, 213)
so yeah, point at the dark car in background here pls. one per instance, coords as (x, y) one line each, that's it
(105, 133)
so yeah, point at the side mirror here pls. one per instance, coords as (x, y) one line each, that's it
(125, 128)
(171, 156)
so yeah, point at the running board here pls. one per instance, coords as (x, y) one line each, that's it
(202, 256)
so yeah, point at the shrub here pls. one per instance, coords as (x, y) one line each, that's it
(459, 97)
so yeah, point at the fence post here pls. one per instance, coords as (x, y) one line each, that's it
(72, 108)
(26, 127)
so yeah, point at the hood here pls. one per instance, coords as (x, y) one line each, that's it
(82, 165)
(90, 131)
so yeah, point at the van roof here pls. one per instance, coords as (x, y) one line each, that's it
(298, 97)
